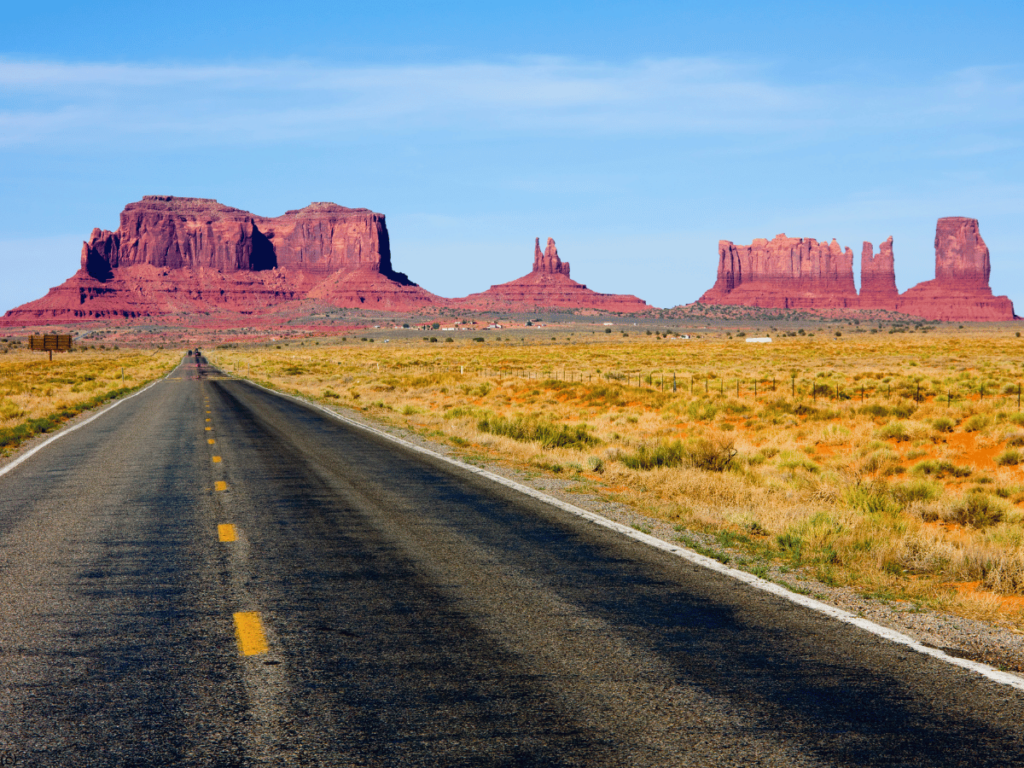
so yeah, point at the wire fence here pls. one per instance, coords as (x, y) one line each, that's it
(711, 384)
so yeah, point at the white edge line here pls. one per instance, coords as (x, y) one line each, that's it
(68, 430)
(996, 675)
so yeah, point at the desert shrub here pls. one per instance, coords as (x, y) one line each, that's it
(894, 430)
(939, 469)
(879, 460)
(874, 410)
(533, 429)
(943, 424)
(977, 509)
(1006, 575)
(903, 410)
(736, 407)
(1011, 457)
(330, 393)
(913, 491)
(872, 497)
(776, 407)
(701, 410)
(714, 454)
(1015, 440)
(663, 455)
(976, 423)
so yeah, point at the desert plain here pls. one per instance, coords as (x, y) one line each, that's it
(882, 457)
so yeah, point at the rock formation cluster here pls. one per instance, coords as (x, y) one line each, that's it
(186, 257)
(548, 285)
(794, 273)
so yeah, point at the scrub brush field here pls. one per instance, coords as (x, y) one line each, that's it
(891, 464)
(38, 395)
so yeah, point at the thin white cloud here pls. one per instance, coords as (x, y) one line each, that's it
(43, 102)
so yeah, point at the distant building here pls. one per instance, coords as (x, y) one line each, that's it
(759, 340)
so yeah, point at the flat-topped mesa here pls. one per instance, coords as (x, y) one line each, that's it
(177, 232)
(548, 285)
(878, 277)
(960, 290)
(547, 260)
(785, 272)
(186, 255)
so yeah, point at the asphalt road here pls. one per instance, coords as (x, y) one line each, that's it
(393, 610)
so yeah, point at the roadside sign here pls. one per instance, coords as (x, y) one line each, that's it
(50, 342)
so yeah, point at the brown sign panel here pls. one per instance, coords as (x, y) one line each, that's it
(51, 342)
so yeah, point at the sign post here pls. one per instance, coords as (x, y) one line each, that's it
(51, 342)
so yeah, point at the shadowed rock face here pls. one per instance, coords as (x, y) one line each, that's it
(548, 285)
(178, 232)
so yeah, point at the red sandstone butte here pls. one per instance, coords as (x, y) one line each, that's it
(878, 277)
(960, 290)
(786, 272)
(184, 255)
(803, 274)
(548, 285)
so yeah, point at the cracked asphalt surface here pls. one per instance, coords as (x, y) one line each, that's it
(414, 614)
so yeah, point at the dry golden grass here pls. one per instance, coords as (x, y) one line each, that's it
(37, 395)
(906, 482)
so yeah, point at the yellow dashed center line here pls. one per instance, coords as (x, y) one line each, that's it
(209, 429)
(209, 419)
(220, 485)
(249, 632)
(216, 459)
(210, 440)
(226, 532)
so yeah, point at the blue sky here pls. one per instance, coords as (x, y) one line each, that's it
(637, 135)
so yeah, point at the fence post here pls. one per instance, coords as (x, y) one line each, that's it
(794, 387)
(674, 383)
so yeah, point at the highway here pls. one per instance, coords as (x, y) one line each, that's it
(212, 575)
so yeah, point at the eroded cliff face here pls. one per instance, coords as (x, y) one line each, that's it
(191, 232)
(785, 272)
(804, 274)
(548, 285)
(182, 255)
(960, 290)
(878, 277)
(547, 262)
